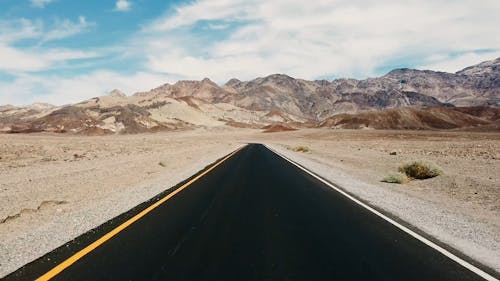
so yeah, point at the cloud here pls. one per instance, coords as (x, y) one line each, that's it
(454, 64)
(122, 5)
(218, 26)
(40, 3)
(37, 58)
(59, 90)
(15, 60)
(19, 29)
(66, 28)
(229, 10)
(326, 38)
(222, 39)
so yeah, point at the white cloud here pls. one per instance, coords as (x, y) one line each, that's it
(20, 29)
(454, 64)
(16, 60)
(250, 38)
(207, 10)
(60, 90)
(219, 26)
(122, 5)
(40, 3)
(310, 40)
(66, 28)
(15, 30)
(36, 58)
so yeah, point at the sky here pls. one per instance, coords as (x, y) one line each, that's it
(66, 51)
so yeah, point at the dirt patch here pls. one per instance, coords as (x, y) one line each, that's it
(189, 101)
(242, 125)
(277, 128)
(44, 205)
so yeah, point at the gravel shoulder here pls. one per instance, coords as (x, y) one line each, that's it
(56, 187)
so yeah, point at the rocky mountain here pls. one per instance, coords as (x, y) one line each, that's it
(316, 100)
(280, 99)
(14, 117)
(474, 86)
(142, 112)
(434, 118)
(117, 94)
(205, 90)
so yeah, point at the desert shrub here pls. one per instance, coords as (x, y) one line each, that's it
(420, 170)
(396, 178)
(300, 148)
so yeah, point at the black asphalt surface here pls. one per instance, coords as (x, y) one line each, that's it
(254, 217)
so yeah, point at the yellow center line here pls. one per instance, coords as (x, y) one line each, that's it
(65, 264)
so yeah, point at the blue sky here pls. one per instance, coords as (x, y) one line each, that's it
(62, 51)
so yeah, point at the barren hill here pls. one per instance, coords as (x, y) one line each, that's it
(280, 99)
(418, 119)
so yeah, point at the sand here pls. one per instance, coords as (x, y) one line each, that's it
(55, 187)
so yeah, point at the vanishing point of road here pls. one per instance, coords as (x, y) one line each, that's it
(251, 216)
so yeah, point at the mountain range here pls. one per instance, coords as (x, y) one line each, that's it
(401, 99)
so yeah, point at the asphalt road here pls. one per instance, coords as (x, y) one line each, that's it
(253, 217)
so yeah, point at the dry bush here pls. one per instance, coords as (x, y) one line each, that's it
(396, 178)
(300, 148)
(420, 170)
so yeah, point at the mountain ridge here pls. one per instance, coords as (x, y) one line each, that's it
(276, 98)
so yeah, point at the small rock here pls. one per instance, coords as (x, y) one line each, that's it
(393, 153)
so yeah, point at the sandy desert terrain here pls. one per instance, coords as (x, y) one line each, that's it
(54, 187)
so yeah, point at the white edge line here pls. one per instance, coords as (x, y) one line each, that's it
(393, 222)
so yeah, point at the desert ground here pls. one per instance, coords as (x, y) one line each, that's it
(54, 187)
